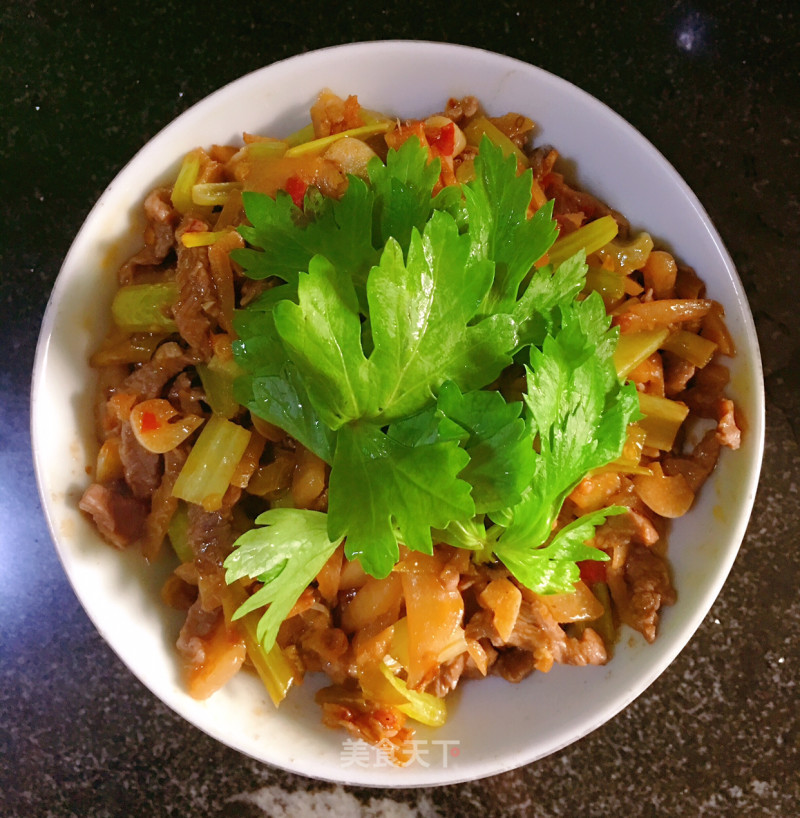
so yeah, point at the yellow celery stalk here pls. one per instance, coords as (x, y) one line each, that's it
(209, 468)
(272, 666)
(187, 177)
(481, 126)
(635, 347)
(662, 419)
(590, 238)
(422, 707)
(213, 194)
(318, 145)
(691, 347)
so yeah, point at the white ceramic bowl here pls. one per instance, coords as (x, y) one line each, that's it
(493, 725)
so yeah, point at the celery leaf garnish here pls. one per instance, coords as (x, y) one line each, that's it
(497, 203)
(381, 489)
(286, 553)
(378, 354)
(422, 324)
(272, 387)
(579, 412)
(322, 336)
(553, 569)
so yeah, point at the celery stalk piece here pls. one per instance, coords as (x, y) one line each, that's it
(481, 127)
(590, 238)
(662, 419)
(213, 194)
(369, 117)
(208, 470)
(202, 238)
(317, 145)
(178, 533)
(272, 666)
(305, 134)
(635, 347)
(422, 707)
(267, 149)
(609, 284)
(143, 307)
(604, 624)
(187, 177)
(691, 347)
(217, 377)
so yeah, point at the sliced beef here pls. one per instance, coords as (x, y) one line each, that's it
(198, 626)
(142, 468)
(119, 518)
(649, 589)
(159, 235)
(149, 379)
(163, 504)
(197, 309)
(448, 676)
(569, 200)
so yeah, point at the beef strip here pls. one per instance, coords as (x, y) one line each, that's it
(149, 379)
(649, 588)
(142, 468)
(198, 626)
(159, 235)
(119, 518)
(197, 308)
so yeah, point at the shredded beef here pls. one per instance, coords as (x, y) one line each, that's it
(650, 588)
(448, 676)
(149, 379)
(119, 517)
(210, 536)
(728, 433)
(142, 468)
(677, 373)
(198, 626)
(568, 200)
(163, 504)
(196, 300)
(536, 630)
(159, 235)
(514, 665)
(188, 398)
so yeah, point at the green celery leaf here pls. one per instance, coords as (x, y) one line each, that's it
(286, 553)
(275, 231)
(381, 489)
(403, 188)
(538, 311)
(499, 445)
(340, 230)
(322, 335)
(421, 312)
(553, 569)
(578, 412)
(271, 387)
(497, 202)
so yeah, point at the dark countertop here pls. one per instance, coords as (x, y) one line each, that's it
(715, 86)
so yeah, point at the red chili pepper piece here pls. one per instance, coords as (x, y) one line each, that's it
(296, 188)
(444, 141)
(149, 422)
(592, 571)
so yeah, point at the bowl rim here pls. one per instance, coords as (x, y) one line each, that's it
(500, 763)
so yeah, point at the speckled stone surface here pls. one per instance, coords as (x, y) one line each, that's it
(715, 86)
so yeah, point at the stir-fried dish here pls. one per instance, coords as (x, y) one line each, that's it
(404, 407)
